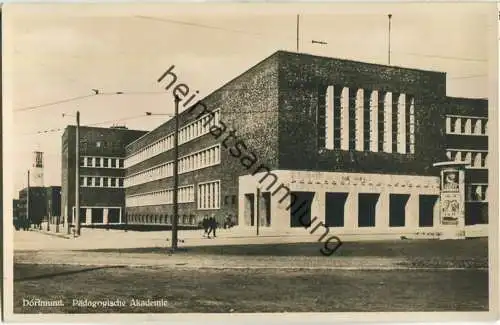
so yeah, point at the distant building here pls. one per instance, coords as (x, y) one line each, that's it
(102, 154)
(357, 141)
(45, 203)
(37, 204)
(16, 213)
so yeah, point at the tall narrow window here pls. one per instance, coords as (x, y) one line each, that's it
(381, 120)
(374, 121)
(329, 118)
(337, 127)
(366, 119)
(344, 119)
(458, 125)
(410, 124)
(394, 123)
(477, 126)
(358, 119)
(352, 118)
(401, 132)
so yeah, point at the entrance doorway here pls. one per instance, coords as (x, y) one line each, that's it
(301, 217)
(334, 209)
(249, 209)
(427, 204)
(266, 198)
(113, 215)
(397, 209)
(367, 209)
(97, 215)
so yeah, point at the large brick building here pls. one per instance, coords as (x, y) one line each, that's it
(357, 141)
(102, 153)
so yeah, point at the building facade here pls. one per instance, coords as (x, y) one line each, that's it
(467, 141)
(53, 204)
(35, 213)
(102, 153)
(348, 136)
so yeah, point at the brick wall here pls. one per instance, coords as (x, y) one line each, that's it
(303, 83)
(249, 106)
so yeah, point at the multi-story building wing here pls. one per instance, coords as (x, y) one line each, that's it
(467, 141)
(102, 173)
(357, 141)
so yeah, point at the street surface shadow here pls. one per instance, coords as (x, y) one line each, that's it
(51, 275)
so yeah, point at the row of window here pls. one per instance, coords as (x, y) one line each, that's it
(208, 196)
(185, 195)
(101, 181)
(466, 125)
(369, 120)
(476, 192)
(475, 159)
(194, 161)
(101, 162)
(187, 133)
(161, 219)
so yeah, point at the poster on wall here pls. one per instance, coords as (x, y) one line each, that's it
(450, 181)
(450, 208)
(451, 197)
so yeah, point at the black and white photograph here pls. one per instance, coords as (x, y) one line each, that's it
(229, 159)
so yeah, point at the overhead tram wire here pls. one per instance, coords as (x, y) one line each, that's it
(77, 98)
(89, 125)
(179, 22)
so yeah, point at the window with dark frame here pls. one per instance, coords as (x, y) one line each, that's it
(120, 182)
(98, 162)
(113, 163)
(105, 182)
(105, 162)
(113, 182)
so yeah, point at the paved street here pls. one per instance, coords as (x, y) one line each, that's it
(246, 274)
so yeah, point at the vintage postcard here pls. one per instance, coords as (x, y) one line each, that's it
(216, 162)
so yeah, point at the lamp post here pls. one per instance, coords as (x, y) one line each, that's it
(28, 201)
(77, 176)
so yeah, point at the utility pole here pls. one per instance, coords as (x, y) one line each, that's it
(77, 178)
(389, 50)
(49, 208)
(257, 207)
(298, 21)
(28, 201)
(176, 175)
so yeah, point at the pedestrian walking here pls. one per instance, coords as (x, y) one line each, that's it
(205, 227)
(213, 226)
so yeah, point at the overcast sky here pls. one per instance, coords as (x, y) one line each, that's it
(52, 53)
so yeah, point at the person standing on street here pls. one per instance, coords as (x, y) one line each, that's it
(205, 226)
(213, 226)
